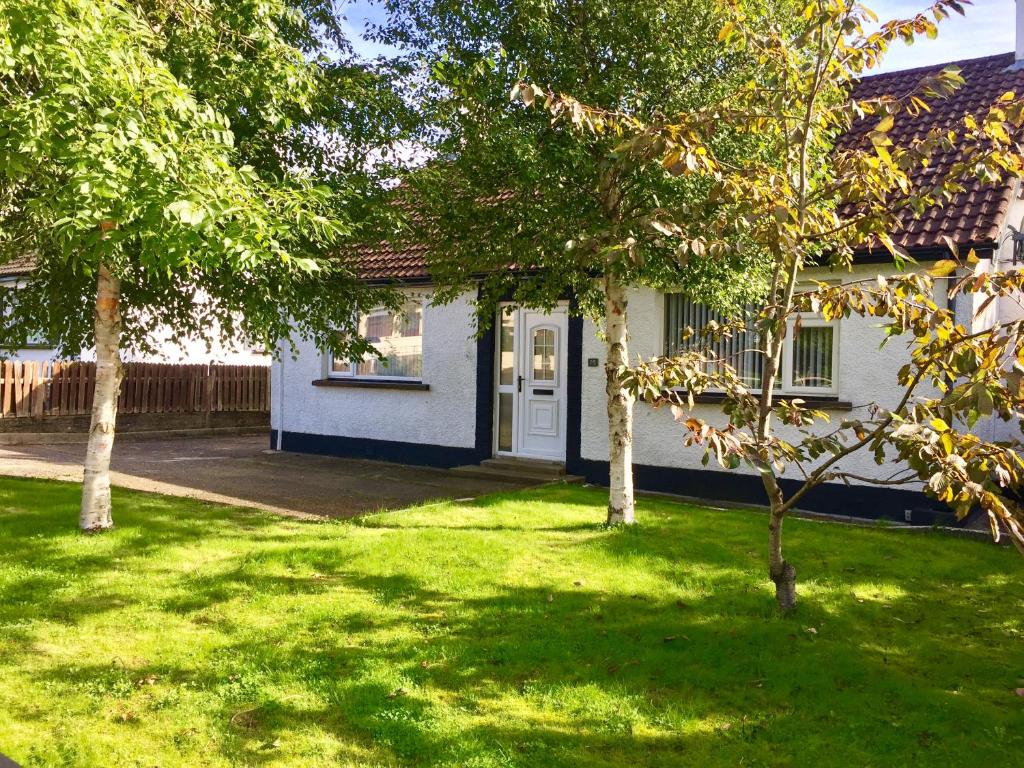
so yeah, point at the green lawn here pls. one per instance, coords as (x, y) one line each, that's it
(512, 631)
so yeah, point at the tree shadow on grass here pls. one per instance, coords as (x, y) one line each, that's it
(635, 681)
(52, 572)
(889, 660)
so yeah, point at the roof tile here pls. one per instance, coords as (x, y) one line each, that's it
(976, 216)
(973, 218)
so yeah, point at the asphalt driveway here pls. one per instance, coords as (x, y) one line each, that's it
(241, 470)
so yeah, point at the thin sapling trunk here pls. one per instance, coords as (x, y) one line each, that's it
(620, 407)
(782, 573)
(95, 512)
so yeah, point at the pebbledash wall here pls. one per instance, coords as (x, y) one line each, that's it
(450, 422)
(662, 462)
(867, 373)
(435, 426)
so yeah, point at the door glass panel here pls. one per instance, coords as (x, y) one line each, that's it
(544, 354)
(506, 348)
(505, 421)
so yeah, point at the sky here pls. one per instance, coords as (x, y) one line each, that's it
(987, 28)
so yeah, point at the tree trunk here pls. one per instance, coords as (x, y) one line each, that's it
(781, 572)
(95, 511)
(620, 407)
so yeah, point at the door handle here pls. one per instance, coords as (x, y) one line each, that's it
(520, 385)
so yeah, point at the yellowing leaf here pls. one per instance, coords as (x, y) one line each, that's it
(942, 268)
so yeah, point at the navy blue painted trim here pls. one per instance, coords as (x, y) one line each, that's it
(273, 439)
(574, 394)
(485, 396)
(485, 351)
(831, 498)
(424, 455)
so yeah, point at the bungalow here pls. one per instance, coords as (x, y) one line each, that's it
(533, 387)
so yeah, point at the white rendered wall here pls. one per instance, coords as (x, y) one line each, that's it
(866, 374)
(29, 355)
(445, 415)
(170, 352)
(1009, 308)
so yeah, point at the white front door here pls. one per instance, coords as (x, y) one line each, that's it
(530, 404)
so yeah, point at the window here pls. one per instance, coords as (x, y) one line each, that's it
(399, 339)
(740, 350)
(35, 340)
(544, 354)
(810, 354)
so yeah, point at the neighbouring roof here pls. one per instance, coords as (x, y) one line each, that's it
(19, 266)
(974, 219)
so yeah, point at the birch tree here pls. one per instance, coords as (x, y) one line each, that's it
(121, 180)
(825, 203)
(530, 211)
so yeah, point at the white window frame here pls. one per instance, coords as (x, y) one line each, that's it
(785, 383)
(352, 375)
(809, 320)
(512, 387)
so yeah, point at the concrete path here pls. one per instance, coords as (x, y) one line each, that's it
(241, 470)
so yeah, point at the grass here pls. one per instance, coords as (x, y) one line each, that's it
(511, 631)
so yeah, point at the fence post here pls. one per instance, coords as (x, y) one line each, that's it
(208, 397)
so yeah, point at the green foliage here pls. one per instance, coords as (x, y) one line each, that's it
(510, 631)
(824, 204)
(508, 187)
(166, 140)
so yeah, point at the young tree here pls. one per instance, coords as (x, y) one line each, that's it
(822, 204)
(511, 189)
(124, 185)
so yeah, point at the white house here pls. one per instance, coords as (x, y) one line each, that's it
(534, 386)
(14, 273)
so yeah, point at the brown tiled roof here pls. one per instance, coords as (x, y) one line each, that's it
(19, 266)
(975, 217)
(385, 261)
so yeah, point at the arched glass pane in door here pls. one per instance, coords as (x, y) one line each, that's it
(544, 354)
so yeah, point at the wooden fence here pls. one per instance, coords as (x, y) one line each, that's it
(66, 388)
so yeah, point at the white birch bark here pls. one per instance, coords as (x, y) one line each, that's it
(95, 512)
(620, 407)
